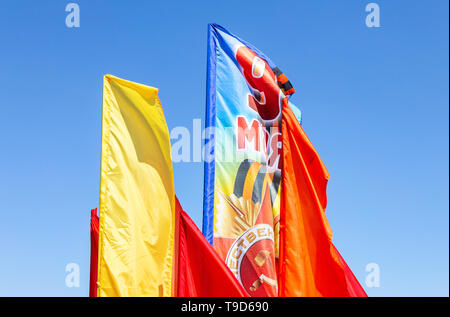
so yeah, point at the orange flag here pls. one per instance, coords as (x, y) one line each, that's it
(309, 264)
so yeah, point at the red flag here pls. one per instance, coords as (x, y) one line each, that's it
(309, 264)
(201, 272)
(94, 254)
(354, 288)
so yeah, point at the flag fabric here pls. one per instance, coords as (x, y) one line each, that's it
(94, 254)
(353, 287)
(147, 244)
(254, 226)
(309, 264)
(137, 200)
(241, 211)
(201, 272)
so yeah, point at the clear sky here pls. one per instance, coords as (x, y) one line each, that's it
(375, 104)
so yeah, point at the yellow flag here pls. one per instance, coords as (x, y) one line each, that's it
(137, 207)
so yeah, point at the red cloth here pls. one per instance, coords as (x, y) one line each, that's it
(94, 254)
(353, 287)
(309, 264)
(201, 272)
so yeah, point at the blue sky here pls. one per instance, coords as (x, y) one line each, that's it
(374, 101)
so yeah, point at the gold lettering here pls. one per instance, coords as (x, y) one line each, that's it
(234, 253)
(241, 244)
(232, 264)
(250, 237)
(261, 232)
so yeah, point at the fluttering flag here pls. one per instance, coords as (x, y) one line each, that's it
(201, 272)
(309, 263)
(137, 200)
(241, 209)
(246, 215)
(198, 263)
(353, 287)
(148, 246)
(94, 254)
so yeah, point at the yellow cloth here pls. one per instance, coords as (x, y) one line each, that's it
(137, 206)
